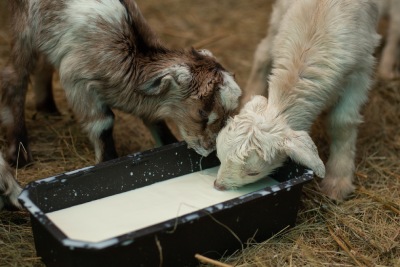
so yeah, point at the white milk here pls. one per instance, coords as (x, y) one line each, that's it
(126, 212)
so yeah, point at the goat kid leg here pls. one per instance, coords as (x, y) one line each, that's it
(13, 87)
(257, 83)
(343, 123)
(389, 65)
(337, 183)
(100, 130)
(42, 87)
(14, 80)
(9, 187)
(95, 116)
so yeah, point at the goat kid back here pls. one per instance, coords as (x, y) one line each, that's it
(109, 58)
(320, 53)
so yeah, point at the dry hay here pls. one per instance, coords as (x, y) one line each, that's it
(363, 231)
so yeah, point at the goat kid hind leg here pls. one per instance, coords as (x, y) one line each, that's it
(257, 84)
(14, 80)
(389, 65)
(343, 122)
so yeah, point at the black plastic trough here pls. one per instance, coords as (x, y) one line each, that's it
(256, 216)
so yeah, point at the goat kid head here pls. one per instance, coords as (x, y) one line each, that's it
(253, 145)
(199, 95)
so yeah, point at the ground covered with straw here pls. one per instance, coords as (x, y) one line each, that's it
(363, 231)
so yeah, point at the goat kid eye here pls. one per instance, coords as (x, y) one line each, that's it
(203, 114)
(253, 173)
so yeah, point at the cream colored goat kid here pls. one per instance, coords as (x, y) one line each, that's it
(389, 64)
(320, 52)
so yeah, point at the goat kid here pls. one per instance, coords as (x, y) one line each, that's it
(109, 58)
(389, 64)
(322, 58)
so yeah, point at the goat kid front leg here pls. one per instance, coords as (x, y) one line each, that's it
(338, 182)
(96, 118)
(99, 126)
(344, 119)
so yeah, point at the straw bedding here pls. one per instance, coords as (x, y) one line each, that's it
(363, 231)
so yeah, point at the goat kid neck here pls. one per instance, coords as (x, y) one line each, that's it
(155, 86)
(294, 100)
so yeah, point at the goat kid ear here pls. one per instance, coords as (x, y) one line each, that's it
(257, 104)
(205, 52)
(166, 80)
(299, 146)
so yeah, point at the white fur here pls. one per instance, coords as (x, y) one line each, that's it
(212, 118)
(321, 58)
(95, 129)
(230, 92)
(206, 52)
(79, 13)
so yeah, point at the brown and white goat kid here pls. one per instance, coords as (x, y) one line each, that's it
(9, 188)
(322, 59)
(109, 58)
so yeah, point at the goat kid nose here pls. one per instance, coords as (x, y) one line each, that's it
(219, 186)
(209, 144)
